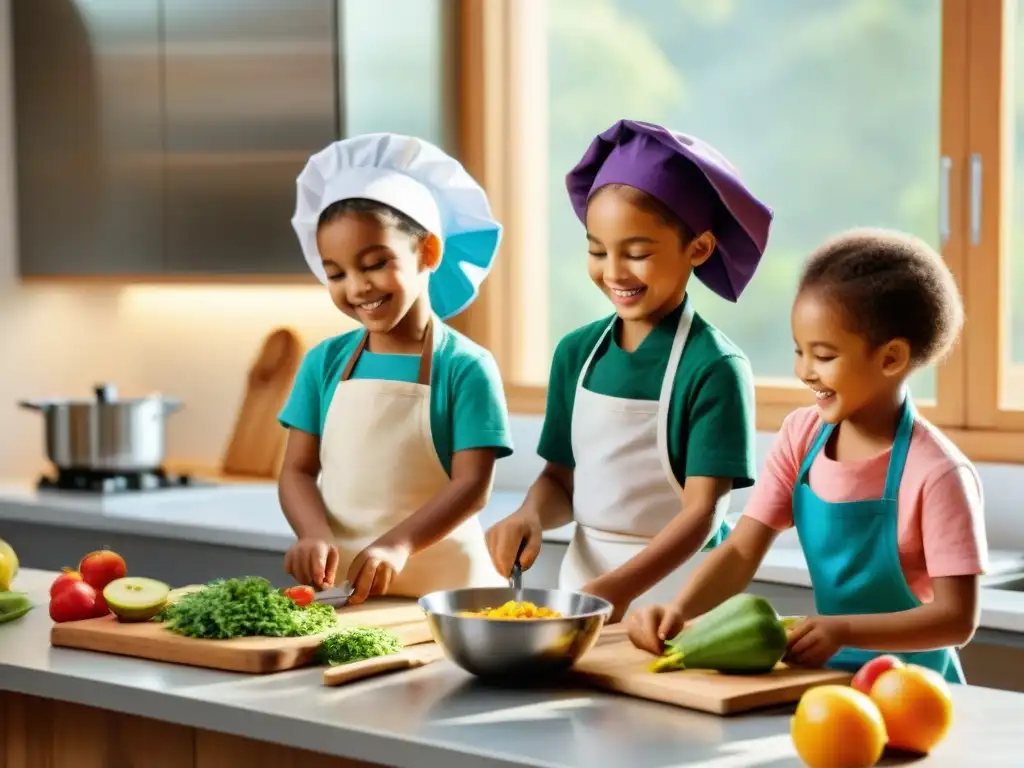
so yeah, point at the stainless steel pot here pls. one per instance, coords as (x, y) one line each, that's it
(105, 433)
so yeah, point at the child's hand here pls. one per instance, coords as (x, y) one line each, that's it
(374, 568)
(504, 538)
(313, 562)
(650, 627)
(815, 640)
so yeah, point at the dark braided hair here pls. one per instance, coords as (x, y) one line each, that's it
(890, 285)
(384, 214)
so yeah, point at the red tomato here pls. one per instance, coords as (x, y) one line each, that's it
(61, 582)
(302, 595)
(75, 602)
(867, 674)
(100, 568)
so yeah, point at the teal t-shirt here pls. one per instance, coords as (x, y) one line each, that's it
(467, 400)
(711, 427)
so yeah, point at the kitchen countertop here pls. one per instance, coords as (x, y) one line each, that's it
(248, 515)
(441, 716)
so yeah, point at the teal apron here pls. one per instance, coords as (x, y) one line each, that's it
(853, 556)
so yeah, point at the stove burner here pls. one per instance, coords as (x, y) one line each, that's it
(97, 481)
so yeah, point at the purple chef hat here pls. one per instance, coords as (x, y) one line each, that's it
(696, 183)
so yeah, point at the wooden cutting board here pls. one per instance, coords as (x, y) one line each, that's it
(616, 665)
(258, 441)
(255, 655)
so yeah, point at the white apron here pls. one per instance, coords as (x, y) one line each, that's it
(625, 491)
(379, 466)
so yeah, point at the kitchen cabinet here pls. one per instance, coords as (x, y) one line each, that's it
(88, 136)
(161, 138)
(250, 93)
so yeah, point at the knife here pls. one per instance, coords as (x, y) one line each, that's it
(336, 596)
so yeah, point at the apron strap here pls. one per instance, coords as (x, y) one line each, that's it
(665, 398)
(426, 355)
(824, 433)
(897, 457)
(900, 449)
(593, 352)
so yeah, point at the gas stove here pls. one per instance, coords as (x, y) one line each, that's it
(100, 482)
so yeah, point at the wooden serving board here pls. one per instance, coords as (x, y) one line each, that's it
(617, 665)
(255, 655)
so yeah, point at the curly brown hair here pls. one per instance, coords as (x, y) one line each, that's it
(890, 285)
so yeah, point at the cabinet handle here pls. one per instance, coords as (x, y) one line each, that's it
(945, 167)
(975, 198)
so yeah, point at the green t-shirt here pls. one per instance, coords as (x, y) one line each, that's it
(467, 400)
(711, 412)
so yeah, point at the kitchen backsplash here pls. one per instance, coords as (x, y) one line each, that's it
(195, 343)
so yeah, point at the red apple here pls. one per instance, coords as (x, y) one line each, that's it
(101, 609)
(100, 568)
(867, 674)
(61, 582)
(75, 602)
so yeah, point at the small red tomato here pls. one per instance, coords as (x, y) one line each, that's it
(302, 595)
(67, 577)
(101, 567)
(75, 602)
(872, 670)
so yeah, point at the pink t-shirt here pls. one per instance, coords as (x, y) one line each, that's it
(941, 517)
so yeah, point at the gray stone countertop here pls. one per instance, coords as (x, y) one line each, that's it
(441, 716)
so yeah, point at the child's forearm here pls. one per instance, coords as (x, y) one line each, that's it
(302, 504)
(926, 628)
(674, 545)
(431, 523)
(550, 498)
(727, 571)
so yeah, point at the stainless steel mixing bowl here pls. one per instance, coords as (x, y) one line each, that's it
(514, 649)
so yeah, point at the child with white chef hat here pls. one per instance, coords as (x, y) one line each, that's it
(404, 418)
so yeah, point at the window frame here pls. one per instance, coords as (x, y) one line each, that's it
(502, 137)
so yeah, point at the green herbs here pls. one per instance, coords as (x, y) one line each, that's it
(243, 608)
(356, 644)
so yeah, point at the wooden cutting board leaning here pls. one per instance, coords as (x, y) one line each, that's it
(255, 655)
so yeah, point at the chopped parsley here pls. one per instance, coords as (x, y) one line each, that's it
(356, 644)
(244, 607)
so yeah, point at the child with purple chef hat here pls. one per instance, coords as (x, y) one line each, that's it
(650, 412)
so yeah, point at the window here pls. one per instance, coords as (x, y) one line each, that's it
(838, 113)
(392, 75)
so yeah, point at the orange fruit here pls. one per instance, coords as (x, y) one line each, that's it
(916, 706)
(836, 726)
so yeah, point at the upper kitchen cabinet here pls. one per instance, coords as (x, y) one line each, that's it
(251, 90)
(162, 138)
(88, 136)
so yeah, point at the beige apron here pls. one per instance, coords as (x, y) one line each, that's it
(379, 466)
(625, 491)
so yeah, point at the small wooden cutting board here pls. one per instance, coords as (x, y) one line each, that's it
(255, 655)
(617, 665)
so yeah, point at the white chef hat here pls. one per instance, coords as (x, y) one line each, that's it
(423, 182)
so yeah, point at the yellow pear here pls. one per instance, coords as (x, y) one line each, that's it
(8, 565)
